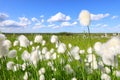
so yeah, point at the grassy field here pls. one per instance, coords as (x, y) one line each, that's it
(63, 66)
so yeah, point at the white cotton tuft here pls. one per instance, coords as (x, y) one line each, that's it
(38, 39)
(75, 52)
(10, 65)
(107, 70)
(68, 69)
(12, 53)
(54, 39)
(25, 56)
(105, 77)
(84, 18)
(41, 71)
(108, 51)
(3, 48)
(44, 50)
(53, 79)
(7, 43)
(48, 55)
(24, 42)
(116, 73)
(82, 51)
(16, 43)
(97, 47)
(31, 42)
(52, 50)
(2, 37)
(43, 43)
(61, 48)
(91, 57)
(89, 50)
(34, 57)
(74, 78)
(54, 56)
(25, 77)
(42, 77)
(69, 45)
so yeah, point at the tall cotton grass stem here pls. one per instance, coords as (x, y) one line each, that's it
(90, 40)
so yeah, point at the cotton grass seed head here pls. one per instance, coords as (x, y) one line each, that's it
(38, 39)
(24, 42)
(16, 43)
(54, 39)
(7, 43)
(84, 18)
(61, 48)
(2, 37)
(105, 77)
(25, 56)
(12, 53)
(10, 65)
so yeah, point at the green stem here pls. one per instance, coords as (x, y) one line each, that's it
(90, 40)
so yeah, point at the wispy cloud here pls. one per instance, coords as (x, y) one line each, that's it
(99, 16)
(3, 16)
(38, 25)
(34, 19)
(114, 17)
(64, 24)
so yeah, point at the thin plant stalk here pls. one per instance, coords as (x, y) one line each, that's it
(89, 35)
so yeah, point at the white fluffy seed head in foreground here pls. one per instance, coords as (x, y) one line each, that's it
(61, 48)
(12, 53)
(89, 50)
(7, 43)
(25, 77)
(84, 18)
(97, 47)
(41, 71)
(116, 73)
(68, 69)
(3, 50)
(75, 50)
(90, 58)
(70, 45)
(105, 77)
(74, 78)
(42, 77)
(10, 65)
(16, 43)
(54, 56)
(2, 37)
(24, 42)
(43, 42)
(52, 50)
(44, 50)
(31, 42)
(54, 39)
(25, 56)
(34, 57)
(38, 39)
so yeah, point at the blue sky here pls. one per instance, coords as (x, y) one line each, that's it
(43, 16)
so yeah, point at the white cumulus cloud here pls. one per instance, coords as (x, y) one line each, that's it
(99, 16)
(24, 22)
(59, 17)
